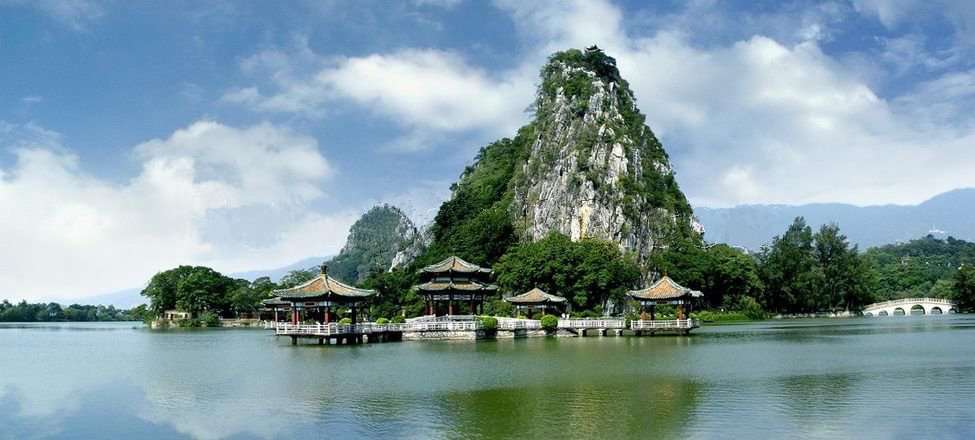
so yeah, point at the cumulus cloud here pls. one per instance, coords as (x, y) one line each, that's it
(759, 121)
(428, 93)
(765, 117)
(71, 234)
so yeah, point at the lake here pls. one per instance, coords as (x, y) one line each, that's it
(891, 377)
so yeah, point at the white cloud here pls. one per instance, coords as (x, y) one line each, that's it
(428, 93)
(70, 234)
(758, 121)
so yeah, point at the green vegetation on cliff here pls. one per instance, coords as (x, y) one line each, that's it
(373, 241)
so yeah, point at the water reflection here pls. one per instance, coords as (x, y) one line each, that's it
(809, 378)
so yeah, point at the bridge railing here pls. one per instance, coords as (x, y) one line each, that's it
(518, 324)
(638, 324)
(443, 318)
(905, 301)
(320, 329)
(441, 325)
(583, 323)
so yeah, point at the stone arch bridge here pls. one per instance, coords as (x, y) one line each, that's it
(929, 306)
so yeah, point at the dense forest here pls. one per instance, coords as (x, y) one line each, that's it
(922, 267)
(54, 312)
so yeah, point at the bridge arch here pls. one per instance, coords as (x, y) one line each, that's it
(935, 311)
(916, 308)
(952, 311)
(882, 313)
(899, 311)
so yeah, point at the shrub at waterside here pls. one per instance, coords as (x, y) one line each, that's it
(550, 322)
(210, 319)
(345, 320)
(382, 321)
(489, 323)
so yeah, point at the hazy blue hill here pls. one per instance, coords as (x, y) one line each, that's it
(276, 274)
(752, 226)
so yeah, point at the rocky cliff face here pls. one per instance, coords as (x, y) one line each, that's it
(595, 169)
(419, 243)
(373, 242)
(586, 166)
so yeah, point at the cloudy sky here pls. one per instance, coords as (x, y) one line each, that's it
(136, 136)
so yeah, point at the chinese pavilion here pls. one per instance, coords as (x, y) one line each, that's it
(320, 294)
(665, 292)
(276, 305)
(454, 279)
(536, 299)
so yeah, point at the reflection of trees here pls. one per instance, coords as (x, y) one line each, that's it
(634, 407)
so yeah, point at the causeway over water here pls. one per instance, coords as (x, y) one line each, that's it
(864, 378)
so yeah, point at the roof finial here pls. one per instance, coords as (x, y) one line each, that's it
(324, 268)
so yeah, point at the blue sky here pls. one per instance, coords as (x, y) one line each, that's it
(241, 135)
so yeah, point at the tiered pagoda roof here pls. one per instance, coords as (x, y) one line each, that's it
(535, 296)
(455, 274)
(324, 287)
(454, 264)
(664, 288)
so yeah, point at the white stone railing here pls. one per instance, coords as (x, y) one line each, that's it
(335, 328)
(638, 324)
(905, 301)
(441, 326)
(607, 323)
(444, 318)
(518, 324)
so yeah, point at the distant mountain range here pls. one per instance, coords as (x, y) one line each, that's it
(751, 226)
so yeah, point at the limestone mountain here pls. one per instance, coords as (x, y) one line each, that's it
(587, 165)
(373, 242)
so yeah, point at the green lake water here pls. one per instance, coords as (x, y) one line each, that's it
(888, 377)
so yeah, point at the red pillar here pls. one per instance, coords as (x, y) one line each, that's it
(353, 316)
(643, 312)
(294, 315)
(328, 315)
(429, 306)
(472, 305)
(275, 314)
(450, 305)
(680, 311)
(652, 310)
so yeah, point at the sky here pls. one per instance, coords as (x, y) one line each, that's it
(138, 136)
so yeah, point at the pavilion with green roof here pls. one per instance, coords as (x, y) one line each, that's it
(454, 279)
(536, 299)
(320, 294)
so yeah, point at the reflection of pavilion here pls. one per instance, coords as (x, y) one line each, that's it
(454, 279)
(665, 292)
(536, 299)
(320, 295)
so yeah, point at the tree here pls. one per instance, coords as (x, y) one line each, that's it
(394, 293)
(734, 276)
(591, 273)
(297, 277)
(192, 288)
(786, 269)
(963, 291)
